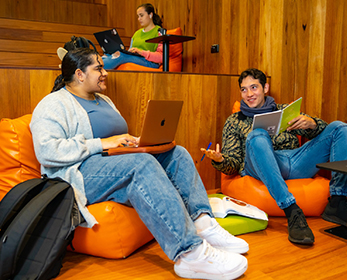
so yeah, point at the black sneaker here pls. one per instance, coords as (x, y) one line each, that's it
(298, 229)
(338, 214)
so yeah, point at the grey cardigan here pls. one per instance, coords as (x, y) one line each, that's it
(63, 139)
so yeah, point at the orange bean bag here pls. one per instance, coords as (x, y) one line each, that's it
(175, 57)
(311, 194)
(120, 230)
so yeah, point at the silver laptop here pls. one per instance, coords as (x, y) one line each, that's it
(159, 125)
(160, 122)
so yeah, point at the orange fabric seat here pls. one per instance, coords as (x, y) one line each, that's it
(311, 194)
(120, 230)
(175, 58)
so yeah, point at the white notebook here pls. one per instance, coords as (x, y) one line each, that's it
(277, 121)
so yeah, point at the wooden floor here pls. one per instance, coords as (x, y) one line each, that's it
(271, 256)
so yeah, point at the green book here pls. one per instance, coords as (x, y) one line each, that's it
(288, 113)
(277, 121)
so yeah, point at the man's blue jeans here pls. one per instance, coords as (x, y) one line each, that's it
(112, 63)
(165, 190)
(273, 167)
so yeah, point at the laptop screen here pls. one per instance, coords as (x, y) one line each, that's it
(109, 41)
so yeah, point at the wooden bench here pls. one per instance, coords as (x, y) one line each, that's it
(27, 43)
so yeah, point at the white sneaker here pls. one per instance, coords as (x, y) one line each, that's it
(211, 264)
(221, 239)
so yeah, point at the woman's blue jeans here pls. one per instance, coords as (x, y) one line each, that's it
(111, 63)
(273, 167)
(165, 190)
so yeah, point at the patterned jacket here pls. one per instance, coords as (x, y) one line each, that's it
(238, 126)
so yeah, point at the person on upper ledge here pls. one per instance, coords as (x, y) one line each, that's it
(274, 159)
(152, 54)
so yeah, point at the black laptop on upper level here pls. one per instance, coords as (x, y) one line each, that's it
(110, 42)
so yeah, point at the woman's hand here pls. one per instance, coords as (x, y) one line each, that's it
(213, 154)
(119, 141)
(135, 50)
(302, 122)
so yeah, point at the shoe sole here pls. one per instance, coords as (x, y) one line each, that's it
(334, 219)
(203, 275)
(306, 241)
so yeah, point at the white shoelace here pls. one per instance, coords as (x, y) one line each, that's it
(214, 254)
(225, 234)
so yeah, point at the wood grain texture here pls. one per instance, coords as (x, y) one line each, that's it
(66, 11)
(34, 44)
(271, 257)
(15, 94)
(332, 59)
(300, 44)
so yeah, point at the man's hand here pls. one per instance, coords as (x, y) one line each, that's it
(213, 154)
(302, 122)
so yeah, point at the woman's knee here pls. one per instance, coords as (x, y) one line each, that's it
(112, 61)
(109, 62)
(180, 150)
(145, 158)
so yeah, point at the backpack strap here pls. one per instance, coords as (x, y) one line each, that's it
(14, 237)
(91, 43)
(78, 42)
(18, 197)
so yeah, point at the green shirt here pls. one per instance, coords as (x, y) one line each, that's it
(236, 129)
(139, 38)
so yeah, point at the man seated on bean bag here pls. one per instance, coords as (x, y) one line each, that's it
(276, 158)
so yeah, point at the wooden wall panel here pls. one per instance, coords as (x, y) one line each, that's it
(313, 95)
(15, 94)
(34, 44)
(342, 101)
(276, 34)
(332, 60)
(40, 84)
(300, 44)
(83, 12)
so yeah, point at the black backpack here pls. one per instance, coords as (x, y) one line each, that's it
(37, 222)
(78, 42)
